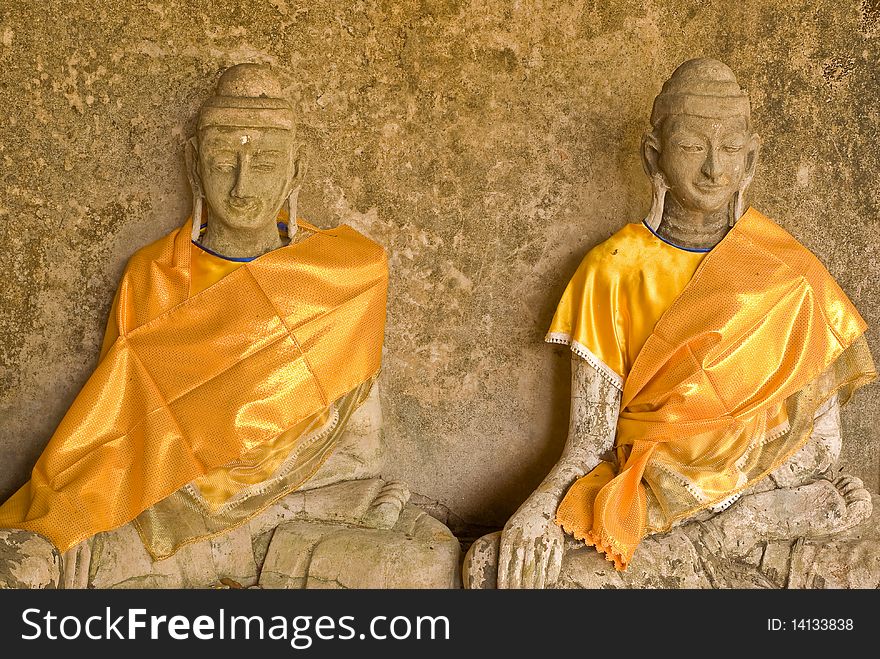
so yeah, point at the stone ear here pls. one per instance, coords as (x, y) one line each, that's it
(650, 150)
(300, 167)
(191, 156)
(752, 157)
(651, 162)
(738, 205)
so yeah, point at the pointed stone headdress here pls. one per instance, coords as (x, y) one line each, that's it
(248, 96)
(701, 87)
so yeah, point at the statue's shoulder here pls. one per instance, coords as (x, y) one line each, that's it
(623, 252)
(765, 233)
(165, 258)
(164, 251)
(346, 242)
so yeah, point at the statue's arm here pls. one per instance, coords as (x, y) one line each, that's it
(531, 543)
(595, 404)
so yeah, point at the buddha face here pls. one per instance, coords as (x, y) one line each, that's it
(705, 160)
(246, 174)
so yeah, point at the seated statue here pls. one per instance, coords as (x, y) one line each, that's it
(230, 434)
(711, 354)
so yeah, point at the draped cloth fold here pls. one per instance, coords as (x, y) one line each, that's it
(195, 381)
(760, 333)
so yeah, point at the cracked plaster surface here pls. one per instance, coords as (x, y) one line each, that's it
(488, 145)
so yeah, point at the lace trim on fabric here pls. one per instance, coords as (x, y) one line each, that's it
(587, 355)
(768, 437)
(697, 492)
(604, 544)
(724, 504)
(262, 487)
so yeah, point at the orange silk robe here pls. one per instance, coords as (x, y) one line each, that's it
(197, 379)
(722, 359)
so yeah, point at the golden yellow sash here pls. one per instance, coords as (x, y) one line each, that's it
(193, 382)
(761, 324)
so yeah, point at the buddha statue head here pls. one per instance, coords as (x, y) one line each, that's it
(244, 162)
(701, 152)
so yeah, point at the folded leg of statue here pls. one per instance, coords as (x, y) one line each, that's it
(417, 552)
(726, 551)
(322, 537)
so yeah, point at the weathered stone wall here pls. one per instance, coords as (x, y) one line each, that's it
(487, 144)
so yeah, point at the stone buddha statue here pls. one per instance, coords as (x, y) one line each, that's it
(710, 355)
(231, 432)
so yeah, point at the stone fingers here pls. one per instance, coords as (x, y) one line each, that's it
(528, 562)
(504, 557)
(75, 566)
(397, 490)
(517, 566)
(859, 504)
(554, 563)
(541, 563)
(847, 484)
(542, 556)
(531, 564)
(861, 495)
(549, 562)
(68, 567)
(83, 563)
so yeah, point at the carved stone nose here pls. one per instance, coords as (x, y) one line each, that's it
(710, 168)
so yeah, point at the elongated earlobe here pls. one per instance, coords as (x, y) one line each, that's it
(737, 206)
(299, 172)
(196, 217)
(195, 184)
(650, 162)
(292, 226)
(734, 209)
(658, 196)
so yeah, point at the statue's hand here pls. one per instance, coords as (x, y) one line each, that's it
(531, 545)
(76, 562)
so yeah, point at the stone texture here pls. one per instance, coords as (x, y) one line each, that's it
(311, 539)
(28, 560)
(709, 554)
(418, 553)
(486, 144)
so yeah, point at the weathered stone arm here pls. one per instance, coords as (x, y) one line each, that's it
(361, 452)
(531, 543)
(595, 404)
(821, 452)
